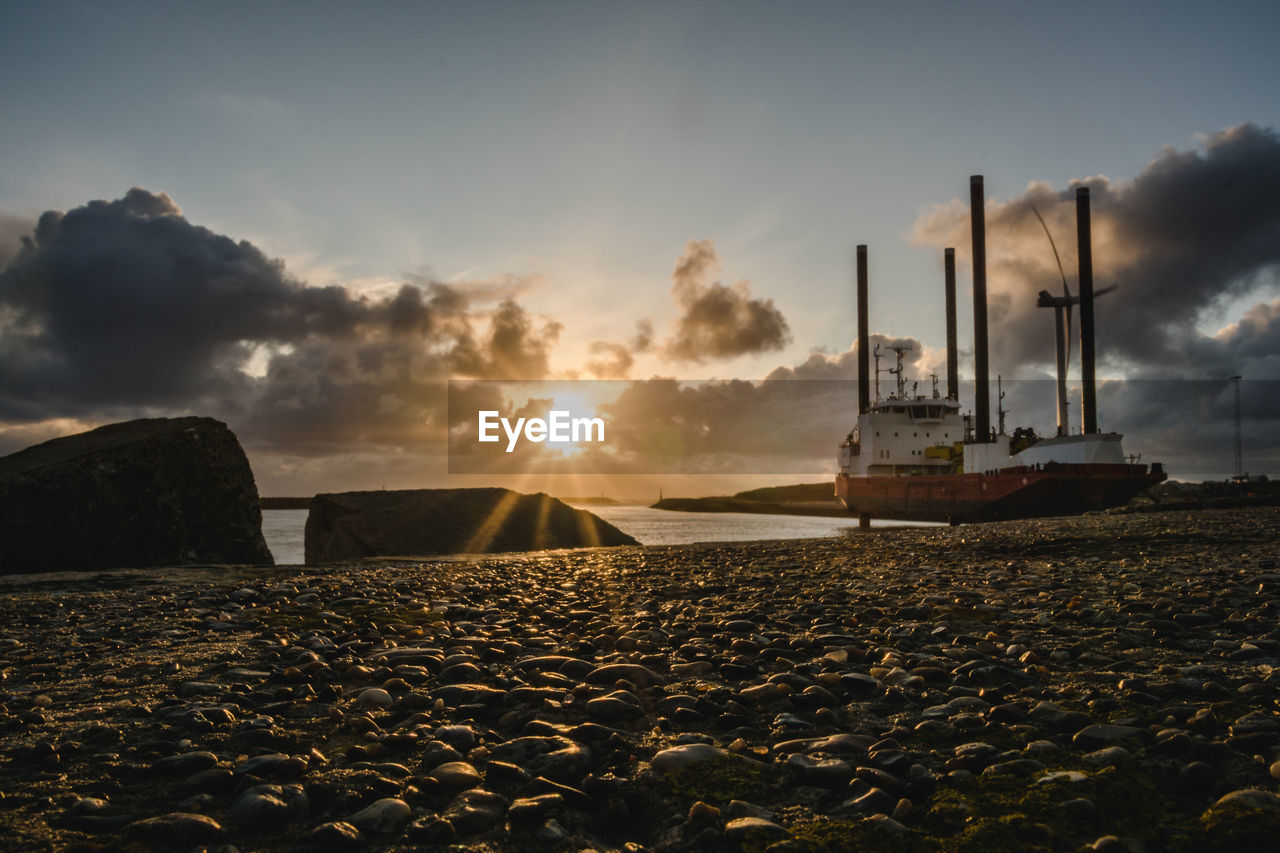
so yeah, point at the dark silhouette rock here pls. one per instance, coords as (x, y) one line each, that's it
(351, 525)
(157, 492)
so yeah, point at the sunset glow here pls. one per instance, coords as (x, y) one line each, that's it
(631, 194)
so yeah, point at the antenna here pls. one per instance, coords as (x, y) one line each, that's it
(897, 371)
(1000, 409)
(876, 353)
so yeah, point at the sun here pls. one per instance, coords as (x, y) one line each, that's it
(579, 408)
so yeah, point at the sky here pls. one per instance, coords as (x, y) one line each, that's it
(313, 215)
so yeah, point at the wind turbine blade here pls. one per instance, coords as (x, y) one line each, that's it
(1103, 290)
(1053, 246)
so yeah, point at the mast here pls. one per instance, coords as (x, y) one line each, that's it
(953, 373)
(864, 389)
(982, 391)
(1084, 244)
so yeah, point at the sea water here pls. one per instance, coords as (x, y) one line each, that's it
(284, 528)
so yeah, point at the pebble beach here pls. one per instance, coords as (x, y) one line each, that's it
(1107, 682)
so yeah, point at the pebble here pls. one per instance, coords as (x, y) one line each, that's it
(382, 817)
(680, 757)
(475, 811)
(553, 756)
(334, 837)
(573, 697)
(456, 775)
(257, 808)
(176, 830)
(374, 697)
(754, 831)
(529, 809)
(184, 764)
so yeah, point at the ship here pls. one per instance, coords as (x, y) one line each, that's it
(917, 457)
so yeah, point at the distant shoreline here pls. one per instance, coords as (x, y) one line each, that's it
(831, 509)
(285, 503)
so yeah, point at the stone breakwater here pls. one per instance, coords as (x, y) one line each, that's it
(1106, 682)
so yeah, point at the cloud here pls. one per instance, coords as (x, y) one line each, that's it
(121, 308)
(609, 359)
(613, 360)
(1194, 230)
(662, 419)
(820, 365)
(717, 321)
(13, 229)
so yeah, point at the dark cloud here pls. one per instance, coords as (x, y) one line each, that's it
(120, 308)
(844, 365)
(517, 350)
(1195, 229)
(717, 321)
(13, 230)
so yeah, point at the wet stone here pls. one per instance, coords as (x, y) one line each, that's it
(1021, 767)
(460, 673)
(872, 801)
(1101, 735)
(438, 752)
(184, 764)
(476, 811)
(459, 737)
(382, 816)
(1109, 756)
(1197, 777)
(1060, 777)
(456, 775)
(754, 831)
(638, 675)
(618, 705)
(553, 756)
(1252, 799)
(530, 809)
(217, 780)
(273, 766)
(432, 829)
(1079, 809)
(257, 808)
(176, 830)
(374, 697)
(824, 773)
(334, 837)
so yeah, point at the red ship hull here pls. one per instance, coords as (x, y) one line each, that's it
(1049, 489)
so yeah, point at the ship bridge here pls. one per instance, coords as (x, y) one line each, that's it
(905, 436)
(921, 410)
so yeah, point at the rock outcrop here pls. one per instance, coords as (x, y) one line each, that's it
(156, 492)
(351, 525)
